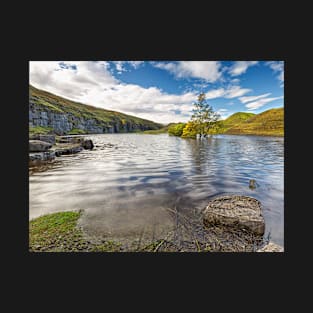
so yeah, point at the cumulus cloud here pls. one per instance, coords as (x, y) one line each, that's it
(277, 67)
(92, 83)
(253, 98)
(136, 64)
(120, 65)
(259, 103)
(209, 71)
(240, 67)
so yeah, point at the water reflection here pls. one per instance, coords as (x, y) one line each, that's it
(126, 186)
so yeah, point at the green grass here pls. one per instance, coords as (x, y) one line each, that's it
(233, 120)
(156, 131)
(38, 130)
(58, 232)
(268, 123)
(105, 118)
(76, 131)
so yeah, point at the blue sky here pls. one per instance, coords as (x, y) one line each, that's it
(163, 91)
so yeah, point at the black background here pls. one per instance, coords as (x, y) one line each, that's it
(154, 31)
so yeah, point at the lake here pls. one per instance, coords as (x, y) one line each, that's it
(126, 186)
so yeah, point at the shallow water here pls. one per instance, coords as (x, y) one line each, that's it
(127, 187)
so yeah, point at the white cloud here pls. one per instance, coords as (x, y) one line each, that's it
(240, 67)
(259, 103)
(235, 91)
(120, 65)
(253, 98)
(224, 113)
(235, 81)
(277, 67)
(135, 64)
(92, 83)
(215, 93)
(229, 93)
(209, 71)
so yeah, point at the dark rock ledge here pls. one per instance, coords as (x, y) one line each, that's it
(44, 148)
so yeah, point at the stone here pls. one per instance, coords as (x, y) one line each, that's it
(39, 146)
(41, 156)
(252, 184)
(88, 144)
(68, 150)
(271, 247)
(235, 211)
(46, 138)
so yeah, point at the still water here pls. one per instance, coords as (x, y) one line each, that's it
(127, 185)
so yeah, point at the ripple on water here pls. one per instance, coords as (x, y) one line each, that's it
(140, 175)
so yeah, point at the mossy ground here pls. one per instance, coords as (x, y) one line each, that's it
(38, 130)
(76, 131)
(58, 232)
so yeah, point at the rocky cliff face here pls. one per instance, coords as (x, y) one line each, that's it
(49, 114)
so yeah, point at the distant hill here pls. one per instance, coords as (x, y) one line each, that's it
(235, 119)
(270, 122)
(49, 113)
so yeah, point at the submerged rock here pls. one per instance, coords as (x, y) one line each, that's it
(39, 146)
(235, 211)
(271, 247)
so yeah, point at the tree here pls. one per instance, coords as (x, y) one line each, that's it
(176, 129)
(204, 118)
(189, 130)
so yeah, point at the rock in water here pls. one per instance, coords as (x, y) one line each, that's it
(41, 156)
(235, 211)
(39, 146)
(252, 184)
(87, 144)
(45, 138)
(271, 247)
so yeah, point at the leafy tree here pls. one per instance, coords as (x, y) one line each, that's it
(176, 129)
(204, 118)
(189, 130)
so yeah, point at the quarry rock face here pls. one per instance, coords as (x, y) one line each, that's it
(64, 122)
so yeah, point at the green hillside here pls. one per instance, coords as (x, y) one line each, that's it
(236, 118)
(268, 123)
(74, 112)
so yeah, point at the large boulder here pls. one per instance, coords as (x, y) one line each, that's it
(271, 247)
(235, 211)
(39, 146)
(87, 144)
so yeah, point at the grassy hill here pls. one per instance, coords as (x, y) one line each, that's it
(267, 123)
(235, 119)
(73, 113)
